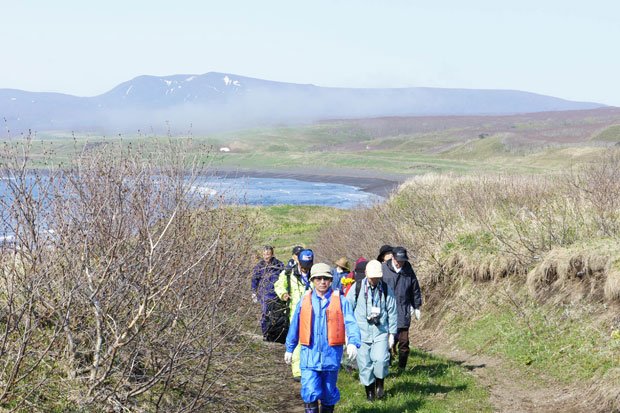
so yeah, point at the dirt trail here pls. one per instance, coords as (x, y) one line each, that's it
(510, 391)
(270, 379)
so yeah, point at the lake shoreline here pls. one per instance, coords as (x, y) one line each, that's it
(368, 181)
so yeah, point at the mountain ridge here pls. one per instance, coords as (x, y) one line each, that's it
(217, 100)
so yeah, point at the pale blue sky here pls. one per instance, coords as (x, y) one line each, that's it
(567, 49)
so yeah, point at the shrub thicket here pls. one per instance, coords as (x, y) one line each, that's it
(488, 227)
(117, 286)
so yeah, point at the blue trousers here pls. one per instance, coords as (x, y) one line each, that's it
(319, 385)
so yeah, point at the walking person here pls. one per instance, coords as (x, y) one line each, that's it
(375, 311)
(385, 253)
(292, 263)
(320, 323)
(290, 287)
(400, 277)
(341, 270)
(358, 274)
(264, 275)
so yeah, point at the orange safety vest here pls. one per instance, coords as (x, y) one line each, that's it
(335, 320)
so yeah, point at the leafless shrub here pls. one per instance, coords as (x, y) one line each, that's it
(117, 283)
(598, 185)
(492, 226)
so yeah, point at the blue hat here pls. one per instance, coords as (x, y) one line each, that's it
(306, 258)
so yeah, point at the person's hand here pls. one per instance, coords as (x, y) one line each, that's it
(351, 351)
(417, 313)
(254, 298)
(285, 297)
(390, 340)
(288, 357)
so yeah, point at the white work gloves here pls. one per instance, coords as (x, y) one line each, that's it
(254, 298)
(390, 341)
(415, 312)
(351, 351)
(288, 357)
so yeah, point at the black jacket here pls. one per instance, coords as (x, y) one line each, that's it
(406, 289)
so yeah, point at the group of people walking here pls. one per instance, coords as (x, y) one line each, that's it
(365, 311)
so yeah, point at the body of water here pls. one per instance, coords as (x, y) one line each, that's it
(278, 191)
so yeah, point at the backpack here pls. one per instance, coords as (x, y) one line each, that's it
(358, 287)
(278, 312)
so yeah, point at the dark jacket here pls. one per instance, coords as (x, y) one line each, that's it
(264, 275)
(406, 289)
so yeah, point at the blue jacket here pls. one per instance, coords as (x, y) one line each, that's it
(337, 277)
(319, 355)
(264, 275)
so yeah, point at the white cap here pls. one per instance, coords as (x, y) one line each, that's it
(373, 269)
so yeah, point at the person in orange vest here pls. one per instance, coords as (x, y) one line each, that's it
(320, 323)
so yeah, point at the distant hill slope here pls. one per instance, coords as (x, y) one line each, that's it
(217, 100)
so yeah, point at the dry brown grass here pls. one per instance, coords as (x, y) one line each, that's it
(562, 229)
(612, 284)
(580, 272)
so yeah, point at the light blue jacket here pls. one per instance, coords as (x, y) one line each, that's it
(388, 323)
(319, 355)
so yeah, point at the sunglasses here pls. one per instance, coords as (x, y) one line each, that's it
(321, 278)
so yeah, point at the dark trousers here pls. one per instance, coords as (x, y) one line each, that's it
(401, 347)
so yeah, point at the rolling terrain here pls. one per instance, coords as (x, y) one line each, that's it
(219, 101)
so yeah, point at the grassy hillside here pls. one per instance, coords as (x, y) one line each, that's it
(525, 268)
(527, 143)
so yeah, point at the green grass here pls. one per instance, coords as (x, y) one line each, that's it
(285, 226)
(429, 384)
(463, 146)
(611, 134)
(557, 341)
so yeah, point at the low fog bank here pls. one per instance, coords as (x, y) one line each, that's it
(267, 107)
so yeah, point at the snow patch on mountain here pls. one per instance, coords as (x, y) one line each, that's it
(228, 81)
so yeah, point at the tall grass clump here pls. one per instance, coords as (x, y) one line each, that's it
(116, 291)
(525, 267)
(488, 227)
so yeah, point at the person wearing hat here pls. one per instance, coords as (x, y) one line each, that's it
(399, 275)
(290, 287)
(264, 275)
(385, 253)
(292, 263)
(322, 323)
(375, 311)
(341, 269)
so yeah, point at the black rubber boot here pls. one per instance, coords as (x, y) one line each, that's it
(327, 409)
(379, 388)
(311, 407)
(402, 360)
(370, 392)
